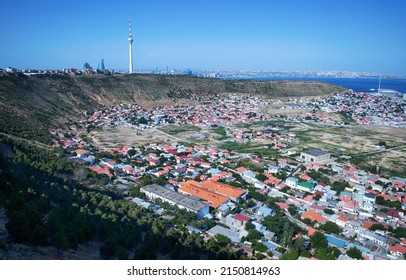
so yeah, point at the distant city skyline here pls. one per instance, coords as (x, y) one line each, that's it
(358, 36)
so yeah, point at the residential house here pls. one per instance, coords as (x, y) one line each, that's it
(264, 211)
(305, 186)
(233, 235)
(274, 169)
(398, 251)
(314, 216)
(237, 221)
(376, 238)
(292, 182)
(342, 220)
(393, 215)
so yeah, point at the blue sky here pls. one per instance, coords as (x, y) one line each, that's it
(363, 36)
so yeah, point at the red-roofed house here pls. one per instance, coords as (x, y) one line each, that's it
(314, 216)
(237, 221)
(305, 177)
(397, 250)
(128, 169)
(342, 220)
(241, 169)
(398, 185)
(367, 224)
(308, 198)
(101, 170)
(393, 214)
(82, 153)
(242, 218)
(282, 205)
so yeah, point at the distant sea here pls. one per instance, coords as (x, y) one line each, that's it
(356, 84)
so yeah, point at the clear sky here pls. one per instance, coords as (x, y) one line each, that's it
(355, 35)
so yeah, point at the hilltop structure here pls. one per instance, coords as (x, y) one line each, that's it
(130, 43)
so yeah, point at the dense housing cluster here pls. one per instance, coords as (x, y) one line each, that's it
(242, 192)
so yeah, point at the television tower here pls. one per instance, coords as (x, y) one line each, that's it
(130, 42)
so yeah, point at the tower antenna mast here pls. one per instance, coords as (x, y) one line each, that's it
(130, 42)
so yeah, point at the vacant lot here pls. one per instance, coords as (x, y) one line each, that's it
(360, 142)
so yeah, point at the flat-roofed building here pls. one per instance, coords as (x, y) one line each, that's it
(211, 198)
(233, 235)
(314, 155)
(155, 191)
(233, 193)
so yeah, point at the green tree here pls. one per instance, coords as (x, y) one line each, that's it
(291, 255)
(253, 235)
(222, 240)
(259, 256)
(318, 240)
(292, 210)
(329, 211)
(249, 225)
(340, 186)
(261, 177)
(377, 226)
(259, 247)
(330, 227)
(400, 232)
(355, 253)
(322, 254)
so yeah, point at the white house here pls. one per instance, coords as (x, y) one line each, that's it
(292, 182)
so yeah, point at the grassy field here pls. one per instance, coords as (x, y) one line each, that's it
(220, 131)
(240, 147)
(176, 129)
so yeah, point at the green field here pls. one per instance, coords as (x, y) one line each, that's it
(176, 129)
(220, 131)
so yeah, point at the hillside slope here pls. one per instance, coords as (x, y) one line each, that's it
(30, 105)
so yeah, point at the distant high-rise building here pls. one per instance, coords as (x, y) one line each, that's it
(87, 69)
(130, 42)
(101, 65)
(86, 66)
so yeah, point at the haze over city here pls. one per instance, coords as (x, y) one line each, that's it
(362, 36)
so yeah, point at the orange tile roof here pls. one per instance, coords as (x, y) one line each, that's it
(222, 189)
(211, 198)
(314, 216)
(218, 188)
(343, 218)
(367, 224)
(81, 152)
